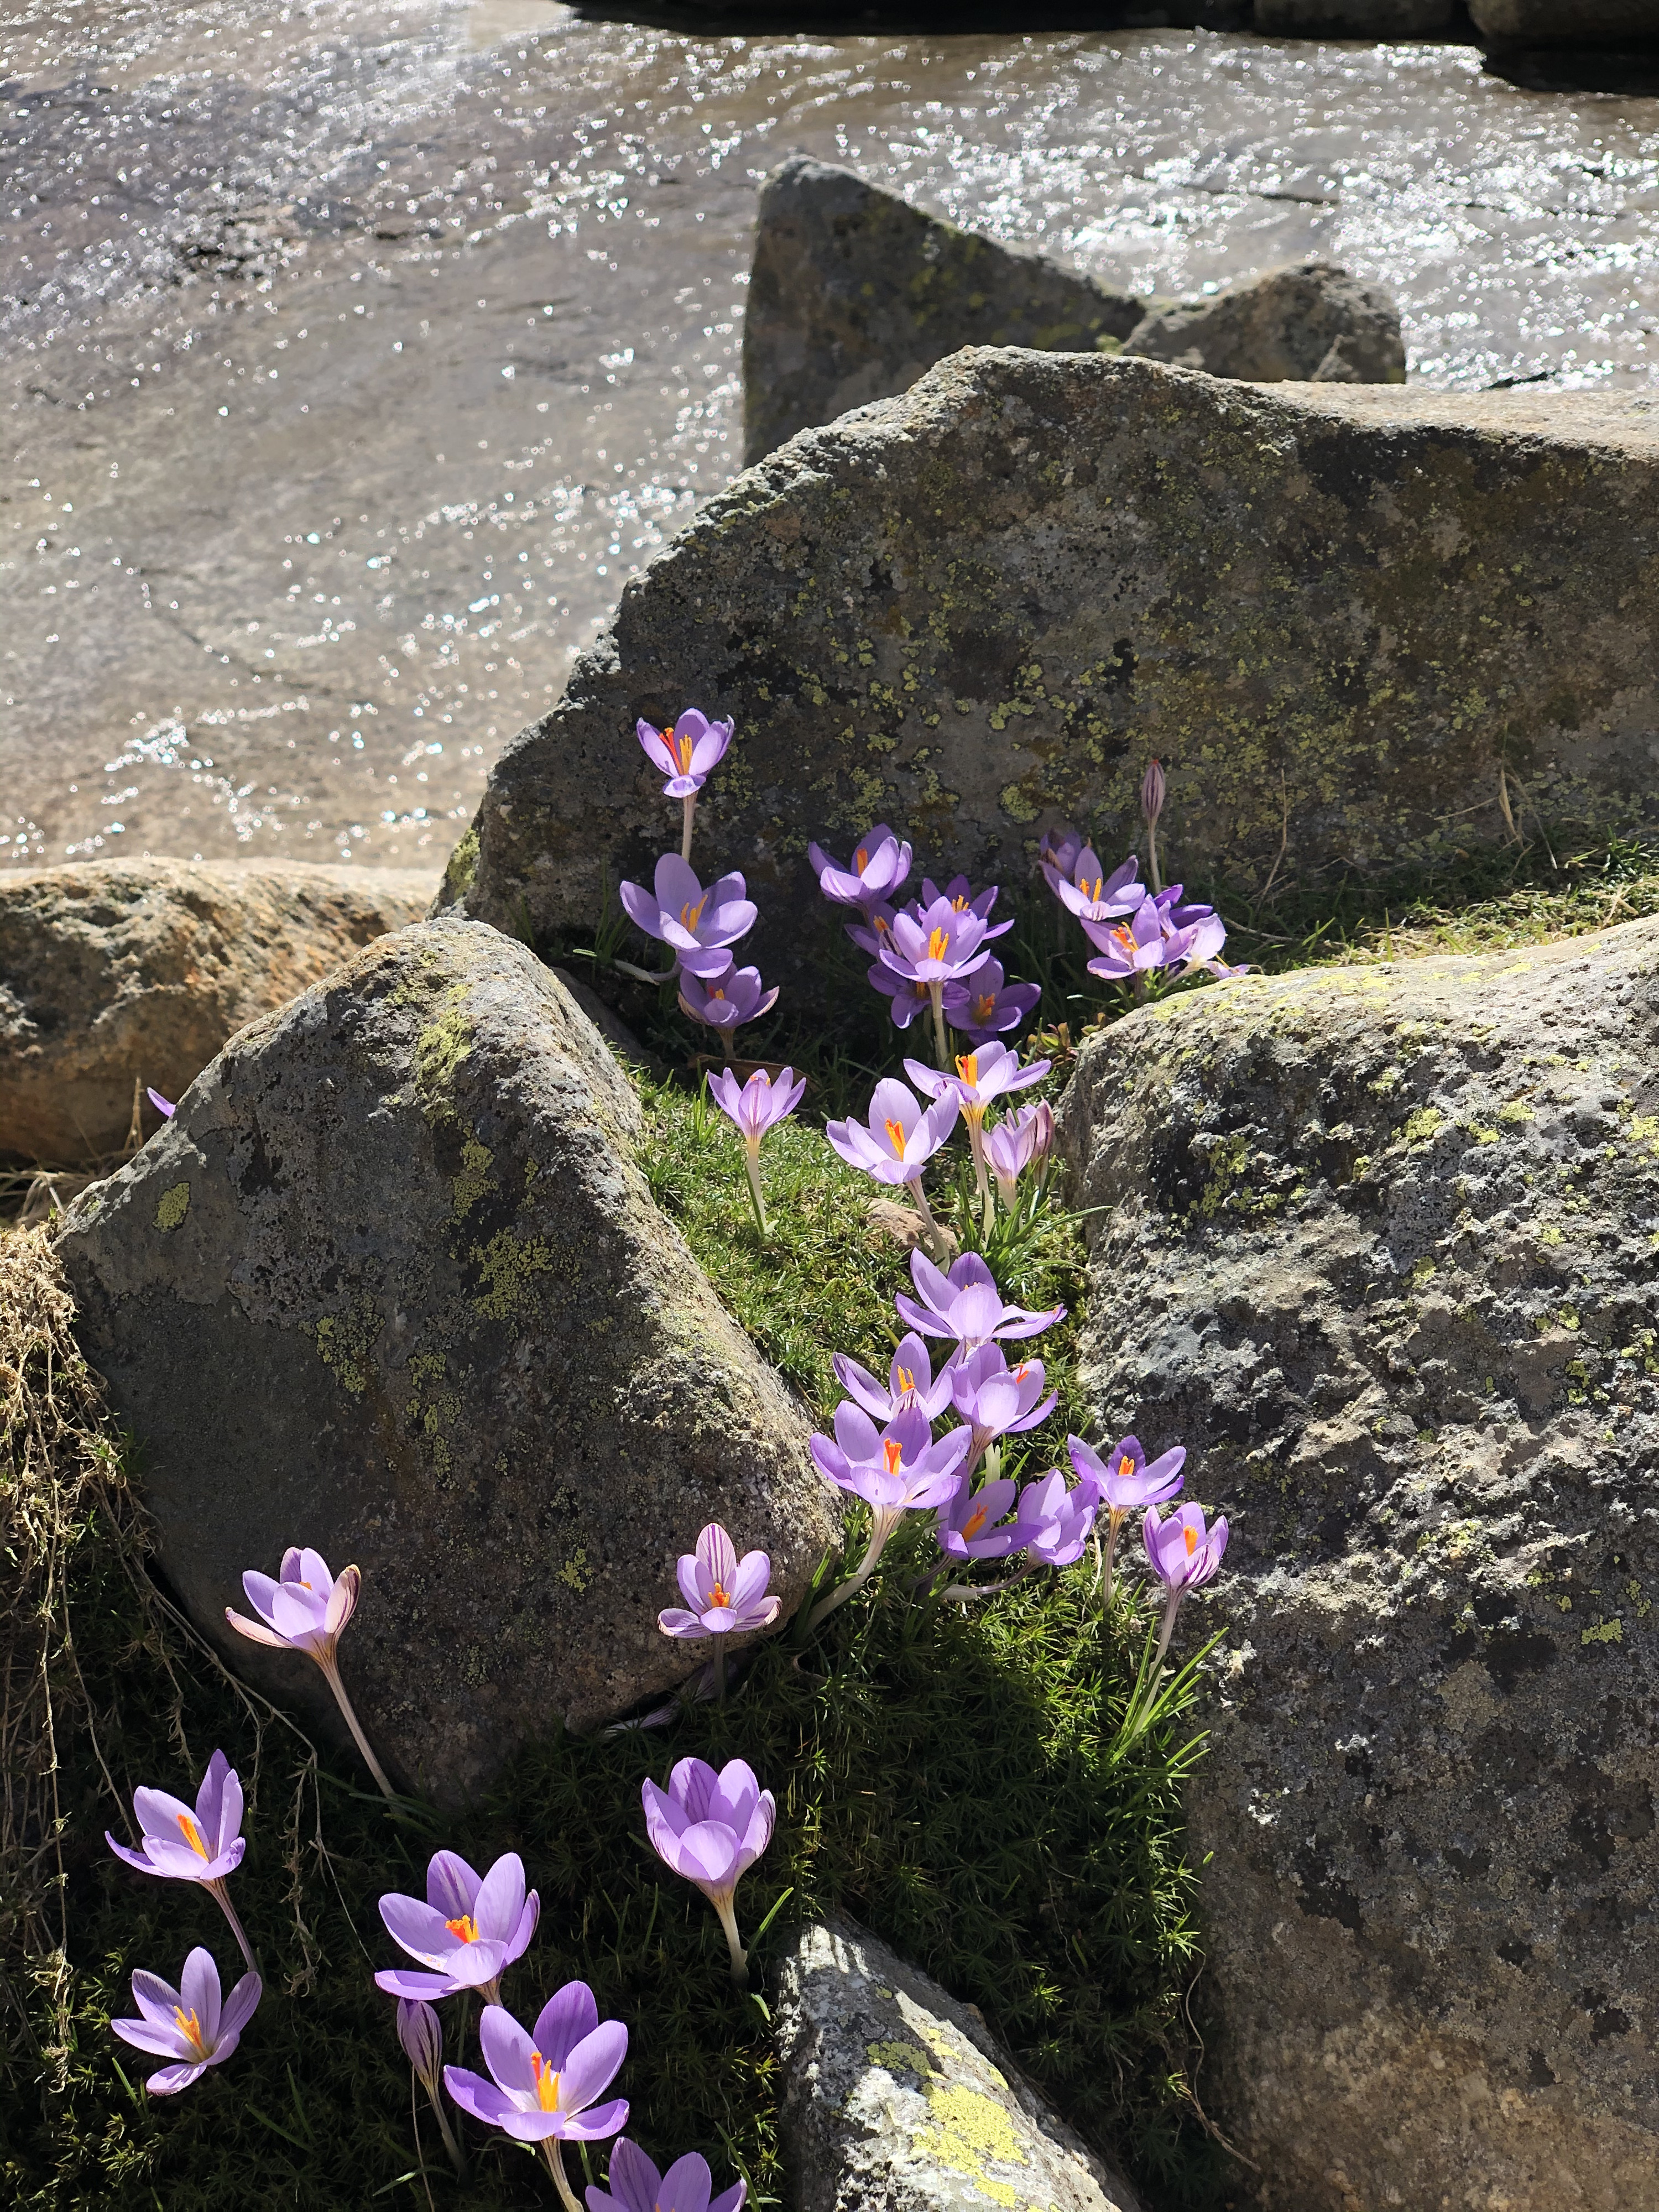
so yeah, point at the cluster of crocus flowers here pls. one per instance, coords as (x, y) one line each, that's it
(699, 927)
(1127, 1483)
(754, 1108)
(979, 1077)
(306, 1609)
(710, 1828)
(1134, 930)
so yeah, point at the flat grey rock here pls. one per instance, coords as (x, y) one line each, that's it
(117, 972)
(1310, 323)
(854, 293)
(1378, 1244)
(392, 1284)
(979, 608)
(897, 2098)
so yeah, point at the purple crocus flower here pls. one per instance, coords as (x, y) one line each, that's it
(760, 1105)
(545, 2083)
(726, 1001)
(980, 1077)
(941, 945)
(1058, 853)
(971, 1526)
(1184, 1555)
(995, 1399)
(422, 2035)
(1127, 1483)
(1093, 896)
(710, 1828)
(910, 997)
(1132, 949)
(1024, 1139)
(188, 2025)
(637, 2185)
(698, 927)
(204, 1845)
(962, 897)
(910, 1382)
(469, 1930)
(727, 1595)
(1053, 1522)
(898, 1138)
(685, 752)
(306, 1609)
(895, 1470)
(966, 1305)
(164, 1107)
(986, 1005)
(881, 866)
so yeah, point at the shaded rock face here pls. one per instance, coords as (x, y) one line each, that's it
(1380, 1245)
(854, 293)
(1633, 23)
(897, 2098)
(392, 1284)
(1354, 19)
(117, 972)
(978, 608)
(1310, 323)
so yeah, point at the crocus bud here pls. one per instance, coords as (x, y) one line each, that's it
(163, 1106)
(1151, 793)
(1042, 1139)
(423, 2038)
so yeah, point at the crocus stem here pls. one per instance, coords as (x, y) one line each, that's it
(727, 1913)
(879, 1535)
(1115, 1521)
(976, 1146)
(1165, 1632)
(553, 2152)
(331, 1675)
(221, 1898)
(754, 1197)
(690, 806)
(935, 1234)
(941, 1043)
(964, 1591)
(1151, 854)
(457, 2155)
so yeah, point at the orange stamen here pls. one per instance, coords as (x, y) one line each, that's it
(547, 2082)
(893, 1452)
(906, 1381)
(861, 859)
(975, 1523)
(1191, 1534)
(968, 1066)
(681, 748)
(715, 992)
(717, 1595)
(939, 945)
(691, 915)
(190, 2028)
(895, 1138)
(984, 1008)
(465, 1930)
(193, 1836)
(1126, 1466)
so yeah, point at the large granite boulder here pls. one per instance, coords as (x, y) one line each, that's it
(116, 972)
(1381, 1245)
(1333, 611)
(1633, 23)
(392, 1284)
(1309, 323)
(854, 293)
(897, 2098)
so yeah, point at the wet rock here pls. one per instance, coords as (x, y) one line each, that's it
(1310, 323)
(117, 972)
(1355, 19)
(392, 1284)
(979, 607)
(854, 293)
(897, 2098)
(1631, 23)
(1379, 1245)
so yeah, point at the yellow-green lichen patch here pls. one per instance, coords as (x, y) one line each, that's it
(507, 1266)
(345, 1342)
(440, 1047)
(173, 1206)
(900, 2058)
(474, 1179)
(575, 1573)
(463, 868)
(969, 2130)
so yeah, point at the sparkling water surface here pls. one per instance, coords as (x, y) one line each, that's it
(351, 357)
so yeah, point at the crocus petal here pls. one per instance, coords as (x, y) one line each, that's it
(500, 1899)
(636, 2186)
(673, 1621)
(198, 1992)
(342, 1601)
(255, 1631)
(593, 2127)
(569, 2014)
(474, 2094)
(748, 1585)
(592, 2065)
(685, 2186)
(160, 2040)
(171, 2079)
(401, 1982)
(418, 1928)
(508, 2051)
(451, 1886)
(239, 2007)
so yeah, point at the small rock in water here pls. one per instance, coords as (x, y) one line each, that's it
(114, 973)
(897, 2098)
(392, 1284)
(1378, 1245)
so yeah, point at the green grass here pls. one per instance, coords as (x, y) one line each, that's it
(946, 1776)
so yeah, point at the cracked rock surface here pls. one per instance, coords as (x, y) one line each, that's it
(392, 1284)
(1380, 1245)
(898, 2099)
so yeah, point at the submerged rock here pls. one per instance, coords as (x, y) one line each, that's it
(1309, 323)
(897, 2098)
(1332, 612)
(1378, 1244)
(854, 293)
(116, 972)
(392, 1284)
